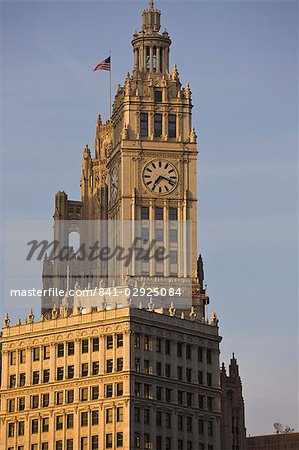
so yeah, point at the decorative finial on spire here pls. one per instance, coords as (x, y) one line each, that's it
(151, 5)
(6, 321)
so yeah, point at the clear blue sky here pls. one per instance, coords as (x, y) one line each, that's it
(241, 61)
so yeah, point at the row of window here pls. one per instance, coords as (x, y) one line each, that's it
(68, 374)
(159, 213)
(182, 350)
(167, 443)
(168, 372)
(167, 420)
(158, 125)
(67, 348)
(145, 390)
(159, 235)
(69, 443)
(43, 424)
(67, 396)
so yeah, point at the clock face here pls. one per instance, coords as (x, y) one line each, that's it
(160, 176)
(113, 183)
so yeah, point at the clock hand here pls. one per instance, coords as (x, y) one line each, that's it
(168, 179)
(156, 182)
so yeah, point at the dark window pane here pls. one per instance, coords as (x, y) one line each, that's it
(158, 125)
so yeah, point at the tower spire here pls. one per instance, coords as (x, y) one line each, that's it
(151, 5)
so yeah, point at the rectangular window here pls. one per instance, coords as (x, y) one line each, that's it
(144, 213)
(109, 390)
(109, 365)
(189, 398)
(46, 350)
(60, 373)
(71, 348)
(171, 125)
(84, 370)
(109, 440)
(144, 125)
(33, 446)
(188, 351)
(168, 395)
(83, 443)
(69, 444)
(70, 372)
(147, 343)
(120, 364)
(137, 389)
(180, 373)
(137, 341)
(12, 358)
(158, 213)
(11, 429)
(119, 439)
(137, 414)
(180, 444)
(146, 440)
(158, 125)
(59, 422)
(22, 379)
(109, 415)
(158, 95)
(45, 424)
(34, 426)
(45, 400)
(180, 397)
(119, 340)
(167, 370)
(209, 379)
(119, 389)
(137, 364)
(58, 445)
(84, 394)
(200, 354)
(180, 423)
(119, 414)
(35, 377)
(35, 354)
(167, 347)
(168, 443)
(210, 403)
(200, 401)
(189, 445)
(158, 442)
(34, 401)
(21, 428)
(210, 428)
(200, 426)
(158, 418)
(69, 421)
(60, 350)
(179, 349)
(189, 424)
(95, 344)
(22, 356)
(188, 375)
(137, 440)
(159, 369)
(173, 214)
(94, 442)
(11, 405)
(95, 367)
(95, 417)
(94, 392)
(200, 377)
(84, 346)
(159, 392)
(45, 446)
(46, 376)
(59, 398)
(109, 342)
(209, 356)
(21, 403)
(84, 419)
(70, 396)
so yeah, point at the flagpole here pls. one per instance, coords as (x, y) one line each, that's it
(110, 84)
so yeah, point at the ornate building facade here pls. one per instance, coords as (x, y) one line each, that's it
(93, 375)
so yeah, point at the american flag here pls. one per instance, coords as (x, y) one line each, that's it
(103, 65)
